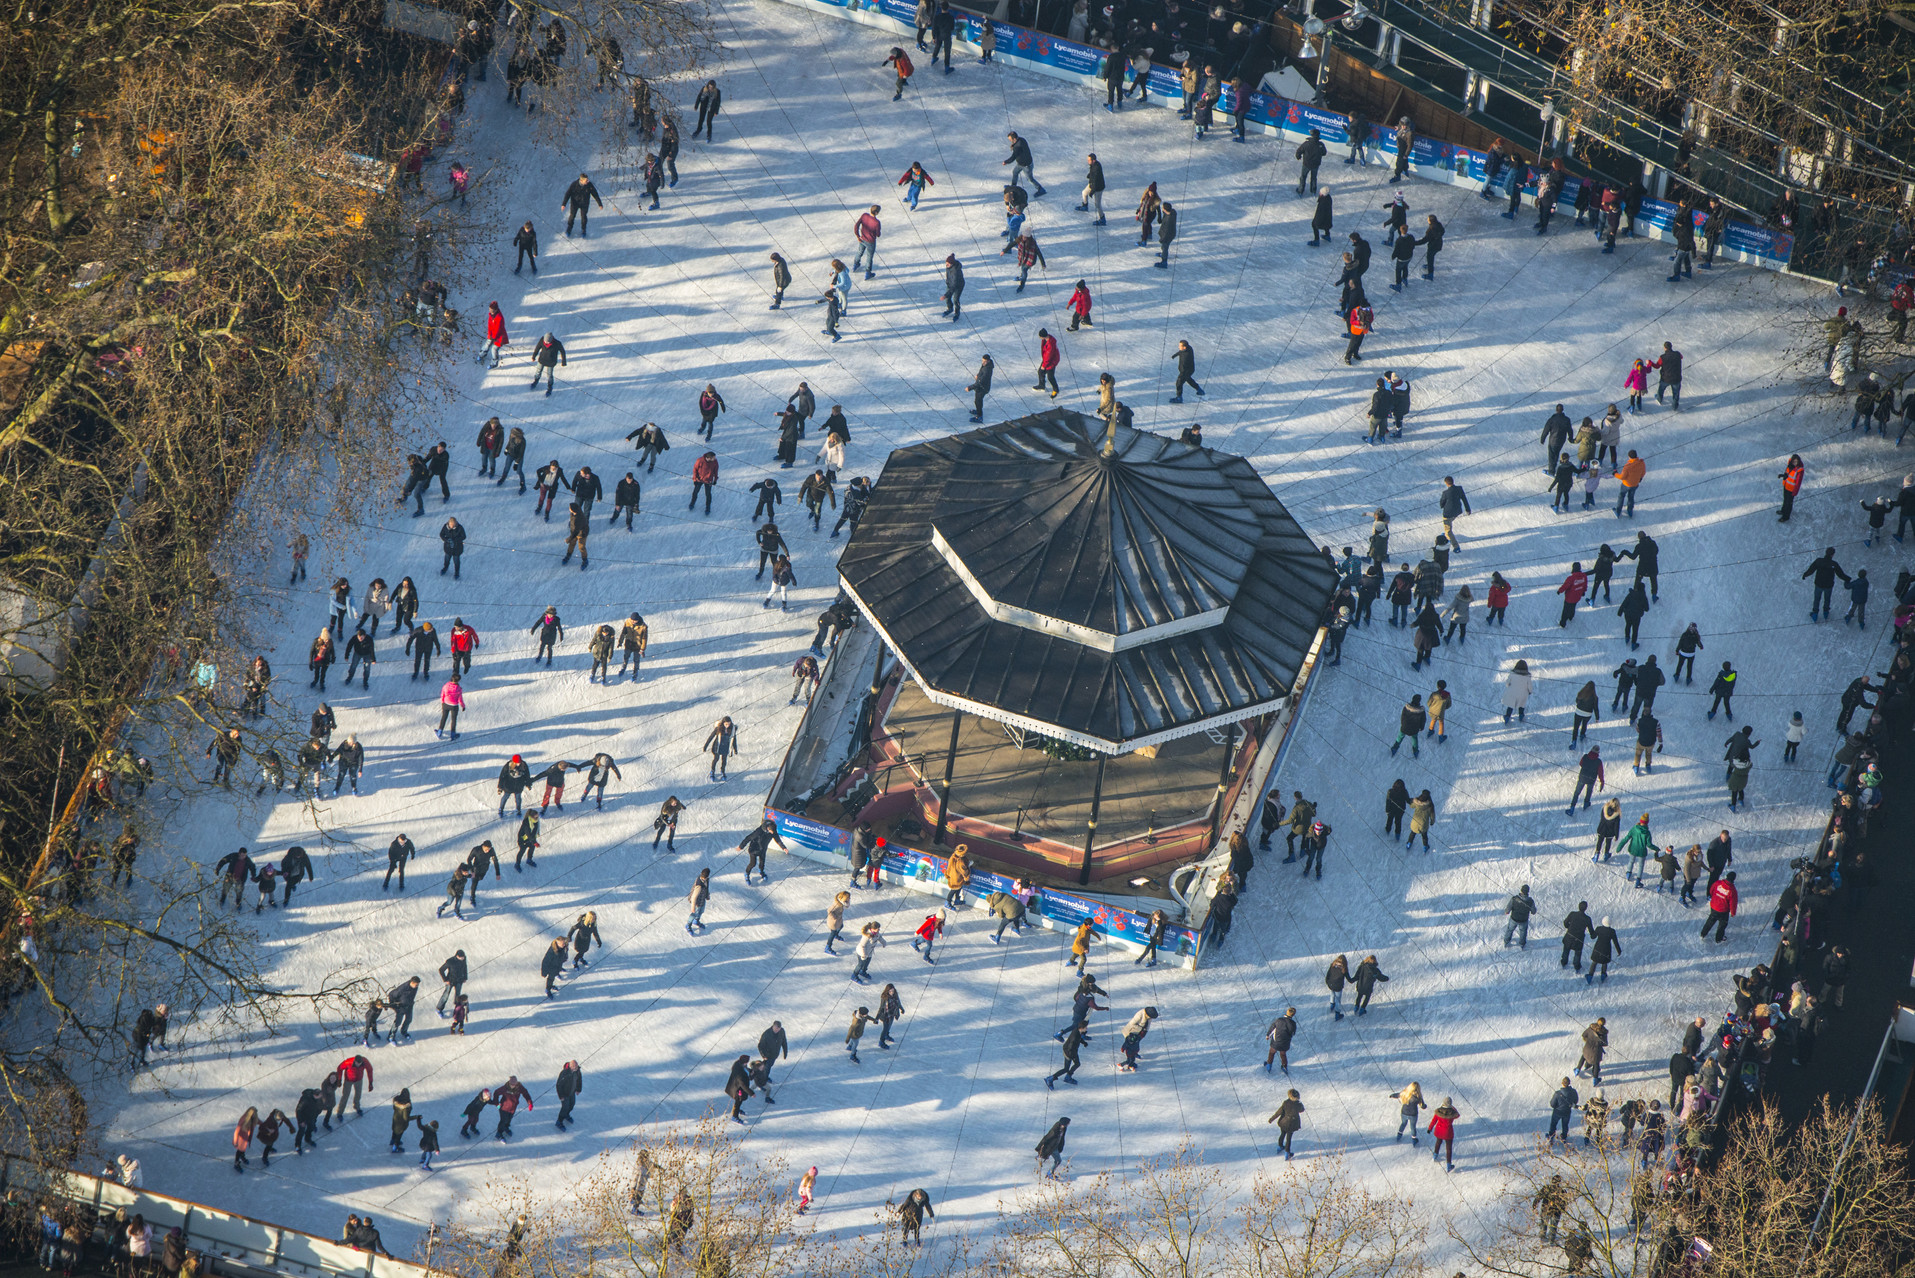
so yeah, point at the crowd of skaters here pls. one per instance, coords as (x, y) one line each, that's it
(751, 1076)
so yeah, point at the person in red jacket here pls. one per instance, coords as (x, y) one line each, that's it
(463, 640)
(928, 932)
(1080, 306)
(355, 1076)
(1574, 587)
(495, 334)
(1498, 600)
(1791, 478)
(705, 476)
(1443, 1128)
(1722, 903)
(508, 1096)
(1046, 361)
(1900, 302)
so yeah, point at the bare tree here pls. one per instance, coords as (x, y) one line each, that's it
(1759, 1206)
(686, 1199)
(1177, 1218)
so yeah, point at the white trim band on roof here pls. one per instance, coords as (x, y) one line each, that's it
(1050, 729)
(1085, 636)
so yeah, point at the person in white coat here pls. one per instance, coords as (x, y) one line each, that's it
(832, 455)
(1516, 691)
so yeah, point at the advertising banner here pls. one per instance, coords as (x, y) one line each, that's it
(1051, 907)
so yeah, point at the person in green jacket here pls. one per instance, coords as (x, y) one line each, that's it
(1639, 843)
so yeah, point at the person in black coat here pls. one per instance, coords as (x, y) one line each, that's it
(438, 464)
(452, 542)
(625, 497)
(1322, 219)
(1052, 1146)
(1401, 253)
(1411, 721)
(549, 352)
(527, 244)
(1310, 154)
(1368, 974)
(771, 543)
(1825, 571)
(980, 387)
(1646, 553)
(1632, 609)
(953, 297)
(1518, 174)
(552, 966)
(1432, 245)
(295, 868)
(1683, 227)
(571, 1082)
(1395, 804)
(1186, 359)
(738, 1086)
(1682, 1066)
(1360, 252)
(1604, 948)
(574, 204)
(1114, 63)
(1576, 926)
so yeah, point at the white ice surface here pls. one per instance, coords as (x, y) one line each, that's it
(654, 305)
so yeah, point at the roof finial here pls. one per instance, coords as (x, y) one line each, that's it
(1110, 435)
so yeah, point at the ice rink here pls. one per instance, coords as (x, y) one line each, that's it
(656, 304)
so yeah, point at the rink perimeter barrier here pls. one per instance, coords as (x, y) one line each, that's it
(1061, 59)
(237, 1245)
(1052, 908)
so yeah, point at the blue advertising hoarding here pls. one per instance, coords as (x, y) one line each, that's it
(1052, 907)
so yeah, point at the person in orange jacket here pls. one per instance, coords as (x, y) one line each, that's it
(1630, 477)
(1791, 478)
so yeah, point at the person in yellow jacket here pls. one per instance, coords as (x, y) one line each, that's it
(957, 874)
(1438, 705)
(1080, 947)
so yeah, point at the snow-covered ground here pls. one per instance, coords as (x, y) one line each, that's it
(654, 305)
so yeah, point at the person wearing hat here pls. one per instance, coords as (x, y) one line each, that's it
(1047, 358)
(981, 384)
(515, 778)
(1405, 139)
(927, 934)
(1134, 1031)
(1605, 948)
(1443, 1130)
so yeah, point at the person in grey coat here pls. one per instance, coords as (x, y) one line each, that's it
(1556, 432)
(1561, 1105)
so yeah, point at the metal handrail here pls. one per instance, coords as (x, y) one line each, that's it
(1528, 75)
